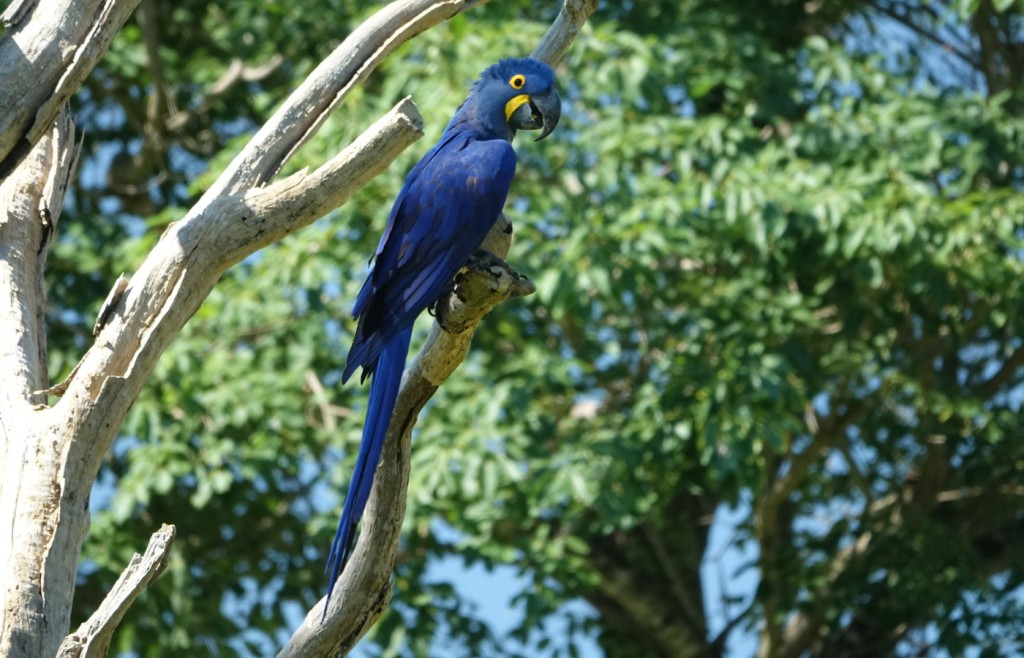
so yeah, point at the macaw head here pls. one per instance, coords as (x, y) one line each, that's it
(516, 94)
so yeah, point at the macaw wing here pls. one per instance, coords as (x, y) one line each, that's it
(442, 214)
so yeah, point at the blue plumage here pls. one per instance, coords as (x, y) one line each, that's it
(450, 200)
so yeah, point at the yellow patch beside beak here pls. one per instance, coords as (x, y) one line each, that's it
(514, 104)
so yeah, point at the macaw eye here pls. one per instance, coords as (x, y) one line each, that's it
(517, 81)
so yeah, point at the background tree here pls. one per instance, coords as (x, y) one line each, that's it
(777, 248)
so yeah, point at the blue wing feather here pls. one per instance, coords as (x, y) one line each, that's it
(441, 215)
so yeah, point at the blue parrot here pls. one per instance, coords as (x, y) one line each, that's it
(450, 200)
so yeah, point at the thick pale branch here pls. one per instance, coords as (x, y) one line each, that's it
(92, 639)
(191, 255)
(570, 20)
(48, 50)
(30, 206)
(308, 107)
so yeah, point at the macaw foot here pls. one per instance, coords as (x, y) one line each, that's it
(482, 283)
(479, 260)
(484, 263)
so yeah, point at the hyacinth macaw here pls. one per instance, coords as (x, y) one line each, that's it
(450, 200)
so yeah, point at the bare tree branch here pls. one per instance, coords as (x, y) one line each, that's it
(92, 639)
(185, 264)
(306, 109)
(570, 20)
(1006, 373)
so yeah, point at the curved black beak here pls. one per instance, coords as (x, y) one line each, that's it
(542, 111)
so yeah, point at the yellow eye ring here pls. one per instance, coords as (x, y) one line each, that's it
(517, 81)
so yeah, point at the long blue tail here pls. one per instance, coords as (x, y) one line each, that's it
(386, 378)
